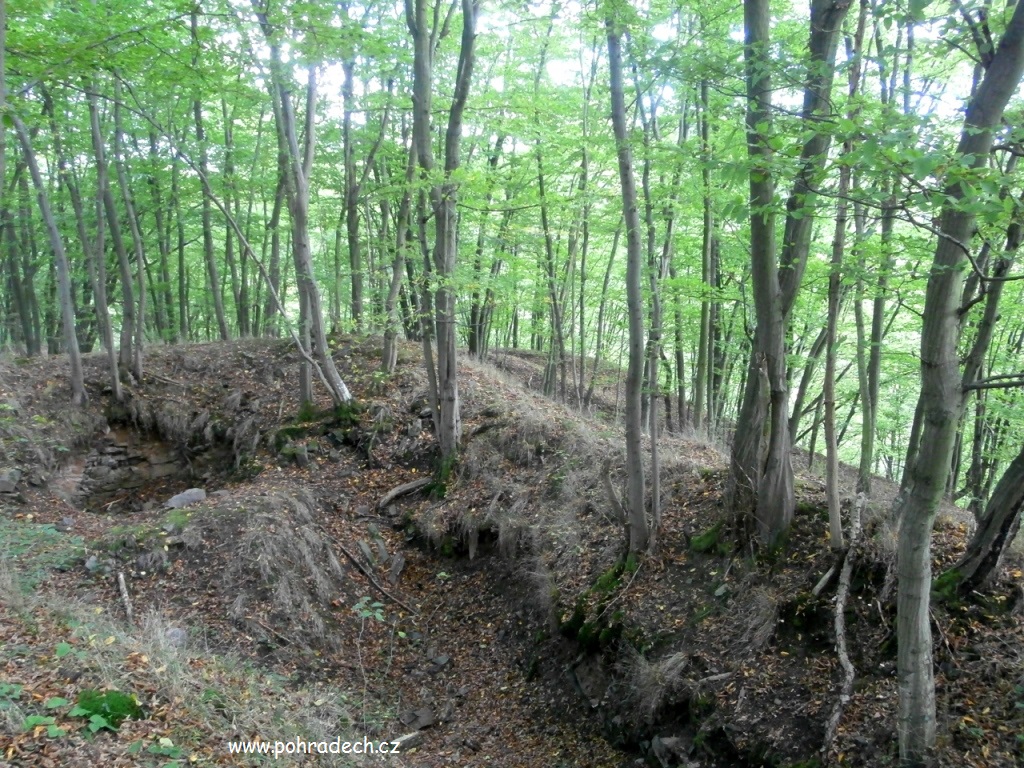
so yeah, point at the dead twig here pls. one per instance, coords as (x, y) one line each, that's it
(403, 490)
(366, 572)
(842, 592)
(123, 587)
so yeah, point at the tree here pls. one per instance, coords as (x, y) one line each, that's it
(761, 471)
(639, 532)
(60, 259)
(443, 196)
(941, 399)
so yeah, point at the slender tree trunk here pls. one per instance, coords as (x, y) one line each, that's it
(136, 233)
(941, 403)
(78, 393)
(210, 258)
(639, 532)
(443, 197)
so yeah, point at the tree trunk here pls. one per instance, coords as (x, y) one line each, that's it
(443, 198)
(67, 310)
(761, 471)
(639, 532)
(207, 214)
(941, 403)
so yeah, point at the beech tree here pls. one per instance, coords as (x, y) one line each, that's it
(761, 471)
(941, 400)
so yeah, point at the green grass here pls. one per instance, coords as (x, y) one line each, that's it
(36, 549)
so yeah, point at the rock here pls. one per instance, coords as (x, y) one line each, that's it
(65, 524)
(406, 742)
(722, 590)
(438, 663)
(185, 498)
(221, 493)
(176, 636)
(365, 549)
(418, 719)
(670, 752)
(382, 552)
(37, 478)
(395, 571)
(301, 455)
(415, 428)
(9, 479)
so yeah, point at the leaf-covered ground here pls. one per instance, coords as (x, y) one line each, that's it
(493, 617)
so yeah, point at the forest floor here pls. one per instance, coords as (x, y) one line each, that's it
(488, 620)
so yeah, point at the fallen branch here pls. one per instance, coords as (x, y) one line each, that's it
(125, 598)
(403, 490)
(366, 572)
(842, 592)
(824, 580)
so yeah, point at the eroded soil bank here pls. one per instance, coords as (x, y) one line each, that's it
(491, 615)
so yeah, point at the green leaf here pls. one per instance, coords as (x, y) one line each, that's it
(55, 702)
(63, 649)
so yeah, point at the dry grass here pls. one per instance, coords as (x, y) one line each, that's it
(280, 564)
(650, 685)
(758, 615)
(213, 698)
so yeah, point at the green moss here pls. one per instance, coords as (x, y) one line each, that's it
(571, 627)
(608, 581)
(347, 414)
(944, 588)
(632, 564)
(708, 541)
(448, 546)
(610, 634)
(306, 412)
(442, 477)
(589, 636)
(285, 435)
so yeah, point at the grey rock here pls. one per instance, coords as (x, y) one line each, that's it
(186, 498)
(670, 751)
(395, 571)
(415, 427)
(301, 454)
(92, 564)
(365, 549)
(418, 719)
(9, 479)
(176, 636)
(407, 742)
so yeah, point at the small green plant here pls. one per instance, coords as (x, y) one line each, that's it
(54, 731)
(9, 693)
(163, 747)
(365, 610)
(106, 710)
